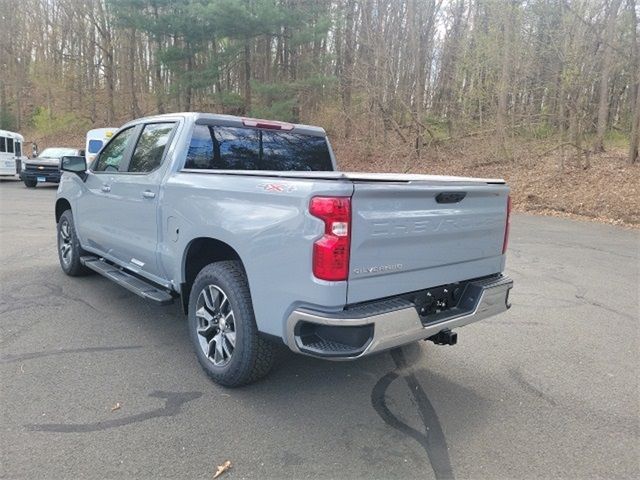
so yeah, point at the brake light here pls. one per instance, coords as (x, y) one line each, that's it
(507, 226)
(266, 124)
(331, 252)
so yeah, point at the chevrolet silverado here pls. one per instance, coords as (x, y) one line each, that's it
(250, 226)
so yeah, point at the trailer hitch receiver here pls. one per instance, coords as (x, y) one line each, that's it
(444, 337)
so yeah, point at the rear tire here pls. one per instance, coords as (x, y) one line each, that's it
(69, 249)
(30, 183)
(223, 328)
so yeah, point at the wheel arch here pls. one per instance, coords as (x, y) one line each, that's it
(199, 253)
(62, 204)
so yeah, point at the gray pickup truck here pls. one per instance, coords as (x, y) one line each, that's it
(248, 224)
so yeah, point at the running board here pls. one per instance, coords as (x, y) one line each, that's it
(133, 284)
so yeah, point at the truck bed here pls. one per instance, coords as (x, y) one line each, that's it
(404, 235)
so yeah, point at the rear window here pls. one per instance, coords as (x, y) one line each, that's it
(94, 146)
(233, 148)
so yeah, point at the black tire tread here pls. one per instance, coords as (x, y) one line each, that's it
(257, 353)
(76, 269)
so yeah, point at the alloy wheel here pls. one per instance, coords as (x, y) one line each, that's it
(65, 243)
(215, 325)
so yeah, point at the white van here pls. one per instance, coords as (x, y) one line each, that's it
(96, 138)
(10, 152)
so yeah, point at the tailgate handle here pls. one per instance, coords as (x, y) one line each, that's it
(450, 197)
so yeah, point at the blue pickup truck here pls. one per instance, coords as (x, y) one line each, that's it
(250, 226)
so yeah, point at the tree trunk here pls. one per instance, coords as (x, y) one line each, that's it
(503, 86)
(634, 140)
(347, 69)
(635, 89)
(109, 77)
(158, 86)
(188, 90)
(135, 109)
(247, 76)
(603, 102)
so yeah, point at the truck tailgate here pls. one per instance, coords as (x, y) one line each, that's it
(408, 236)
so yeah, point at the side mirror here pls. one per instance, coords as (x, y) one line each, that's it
(82, 153)
(77, 165)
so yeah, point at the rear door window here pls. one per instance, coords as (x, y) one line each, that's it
(149, 151)
(200, 154)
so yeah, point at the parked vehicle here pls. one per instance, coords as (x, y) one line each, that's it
(249, 225)
(46, 166)
(96, 138)
(10, 153)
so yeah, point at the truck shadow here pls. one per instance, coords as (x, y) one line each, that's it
(432, 438)
(400, 396)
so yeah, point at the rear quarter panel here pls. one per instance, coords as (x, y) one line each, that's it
(266, 221)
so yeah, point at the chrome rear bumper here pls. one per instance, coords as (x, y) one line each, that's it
(396, 322)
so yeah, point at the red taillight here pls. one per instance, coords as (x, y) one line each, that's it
(331, 252)
(266, 124)
(507, 227)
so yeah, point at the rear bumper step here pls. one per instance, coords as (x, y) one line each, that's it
(391, 323)
(132, 283)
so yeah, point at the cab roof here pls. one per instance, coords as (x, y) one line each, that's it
(203, 118)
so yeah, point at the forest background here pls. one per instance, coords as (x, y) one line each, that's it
(543, 93)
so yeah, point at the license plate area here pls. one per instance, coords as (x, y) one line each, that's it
(42, 179)
(444, 302)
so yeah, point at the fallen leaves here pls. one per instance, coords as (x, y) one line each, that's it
(222, 468)
(608, 191)
(117, 406)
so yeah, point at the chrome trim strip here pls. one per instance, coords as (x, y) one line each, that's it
(403, 326)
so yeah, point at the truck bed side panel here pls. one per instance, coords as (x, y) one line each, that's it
(266, 221)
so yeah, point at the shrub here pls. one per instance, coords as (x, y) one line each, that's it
(46, 123)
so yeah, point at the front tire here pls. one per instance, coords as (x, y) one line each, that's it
(223, 329)
(30, 183)
(69, 249)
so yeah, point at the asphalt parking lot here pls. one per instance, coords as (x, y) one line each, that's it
(546, 390)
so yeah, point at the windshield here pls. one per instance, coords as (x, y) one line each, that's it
(57, 152)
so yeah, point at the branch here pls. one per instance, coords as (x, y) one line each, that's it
(564, 144)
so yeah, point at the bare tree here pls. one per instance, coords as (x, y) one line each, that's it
(605, 73)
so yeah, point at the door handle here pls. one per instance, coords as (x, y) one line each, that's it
(148, 194)
(106, 188)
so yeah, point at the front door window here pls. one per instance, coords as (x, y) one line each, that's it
(113, 154)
